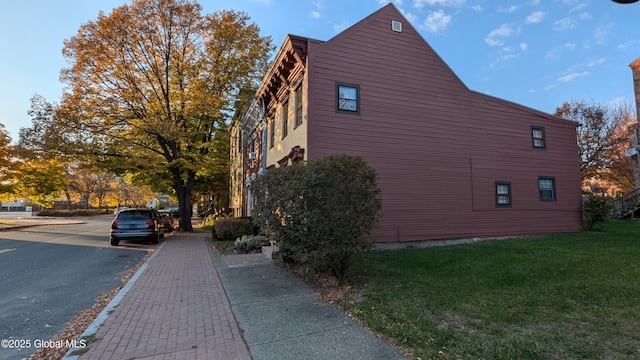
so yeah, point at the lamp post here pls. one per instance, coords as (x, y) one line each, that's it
(625, 1)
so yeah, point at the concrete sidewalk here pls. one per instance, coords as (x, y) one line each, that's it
(188, 302)
(283, 318)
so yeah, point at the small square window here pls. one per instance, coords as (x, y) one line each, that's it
(348, 98)
(537, 137)
(503, 194)
(547, 188)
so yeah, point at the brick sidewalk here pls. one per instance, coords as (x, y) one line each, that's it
(176, 309)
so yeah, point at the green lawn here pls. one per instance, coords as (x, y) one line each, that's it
(570, 296)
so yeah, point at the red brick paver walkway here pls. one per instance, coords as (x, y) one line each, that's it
(176, 309)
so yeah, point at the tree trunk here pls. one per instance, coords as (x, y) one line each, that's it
(183, 191)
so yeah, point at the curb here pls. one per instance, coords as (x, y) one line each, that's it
(14, 226)
(104, 314)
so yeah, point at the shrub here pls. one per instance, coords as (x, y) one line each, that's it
(69, 213)
(319, 213)
(232, 228)
(595, 210)
(249, 243)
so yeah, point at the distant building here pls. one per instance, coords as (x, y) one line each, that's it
(452, 162)
(16, 204)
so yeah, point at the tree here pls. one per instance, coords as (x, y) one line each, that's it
(90, 185)
(602, 136)
(41, 180)
(7, 162)
(151, 88)
(45, 139)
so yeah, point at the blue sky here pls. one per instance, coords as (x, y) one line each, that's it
(538, 53)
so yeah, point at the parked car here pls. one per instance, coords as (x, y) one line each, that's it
(137, 224)
(169, 221)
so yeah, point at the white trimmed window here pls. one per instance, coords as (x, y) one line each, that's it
(547, 188)
(503, 194)
(348, 98)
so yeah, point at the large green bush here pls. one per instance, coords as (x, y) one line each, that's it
(232, 228)
(319, 213)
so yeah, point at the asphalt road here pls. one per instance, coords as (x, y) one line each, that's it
(50, 273)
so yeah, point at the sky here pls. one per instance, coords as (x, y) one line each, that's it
(538, 53)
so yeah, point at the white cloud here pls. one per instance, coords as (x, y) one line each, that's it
(619, 101)
(535, 17)
(510, 9)
(627, 44)
(338, 28)
(419, 4)
(477, 8)
(595, 62)
(601, 33)
(573, 76)
(565, 24)
(318, 6)
(505, 54)
(524, 46)
(584, 16)
(495, 36)
(437, 21)
(557, 51)
(412, 18)
(385, 2)
(579, 7)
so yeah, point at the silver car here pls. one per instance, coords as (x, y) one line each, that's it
(137, 224)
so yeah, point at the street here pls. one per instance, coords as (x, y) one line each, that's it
(49, 273)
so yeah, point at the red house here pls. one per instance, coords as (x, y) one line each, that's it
(452, 163)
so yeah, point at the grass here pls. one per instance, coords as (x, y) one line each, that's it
(569, 296)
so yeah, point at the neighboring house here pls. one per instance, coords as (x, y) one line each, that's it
(628, 205)
(452, 163)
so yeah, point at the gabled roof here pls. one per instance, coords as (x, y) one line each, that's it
(390, 11)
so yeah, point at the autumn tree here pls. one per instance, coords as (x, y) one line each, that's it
(7, 162)
(45, 139)
(151, 87)
(602, 135)
(41, 180)
(90, 185)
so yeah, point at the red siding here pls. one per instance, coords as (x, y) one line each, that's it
(437, 146)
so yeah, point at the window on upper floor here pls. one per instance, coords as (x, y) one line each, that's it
(252, 149)
(348, 98)
(547, 188)
(298, 93)
(285, 119)
(538, 137)
(272, 133)
(503, 194)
